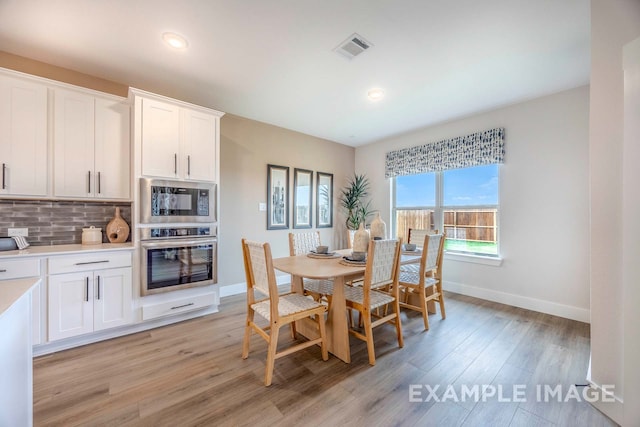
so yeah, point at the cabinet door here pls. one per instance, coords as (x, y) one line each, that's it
(70, 305)
(160, 139)
(199, 146)
(23, 137)
(73, 144)
(112, 303)
(112, 150)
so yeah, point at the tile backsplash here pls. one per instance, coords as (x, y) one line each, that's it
(55, 222)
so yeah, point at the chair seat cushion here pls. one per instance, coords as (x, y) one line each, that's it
(410, 268)
(414, 278)
(318, 286)
(356, 294)
(287, 305)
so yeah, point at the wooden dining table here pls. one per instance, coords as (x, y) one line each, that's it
(303, 266)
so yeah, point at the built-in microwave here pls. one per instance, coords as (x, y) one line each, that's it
(163, 201)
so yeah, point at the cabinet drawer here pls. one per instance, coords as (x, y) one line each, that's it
(15, 269)
(85, 262)
(178, 306)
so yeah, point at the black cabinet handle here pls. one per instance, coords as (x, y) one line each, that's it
(91, 262)
(4, 171)
(175, 163)
(86, 281)
(98, 182)
(181, 306)
(98, 280)
(89, 182)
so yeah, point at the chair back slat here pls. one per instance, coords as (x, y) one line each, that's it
(302, 243)
(431, 250)
(417, 235)
(257, 273)
(384, 255)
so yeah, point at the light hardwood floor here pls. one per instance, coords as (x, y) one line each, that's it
(191, 373)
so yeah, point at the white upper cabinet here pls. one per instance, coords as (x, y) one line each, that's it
(112, 149)
(177, 140)
(91, 146)
(160, 138)
(23, 137)
(73, 143)
(200, 135)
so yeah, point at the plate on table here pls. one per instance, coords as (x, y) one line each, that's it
(346, 261)
(324, 254)
(314, 254)
(351, 260)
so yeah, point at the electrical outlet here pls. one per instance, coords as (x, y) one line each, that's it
(262, 206)
(24, 232)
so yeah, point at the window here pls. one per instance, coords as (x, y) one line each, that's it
(462, 202)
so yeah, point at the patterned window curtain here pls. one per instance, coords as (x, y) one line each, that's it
(480, 148)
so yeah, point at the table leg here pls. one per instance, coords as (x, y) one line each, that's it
(337, 328)
(296, 284)
(336, 324)
(414, 299)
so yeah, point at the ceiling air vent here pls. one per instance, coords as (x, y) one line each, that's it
(353, 46)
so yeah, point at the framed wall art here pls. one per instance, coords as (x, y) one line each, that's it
(302, 198)
(277, 197)
(324, 200)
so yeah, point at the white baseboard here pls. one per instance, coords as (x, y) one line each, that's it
(548, 307)
(235, 289)
(613, 410)
(241, 288)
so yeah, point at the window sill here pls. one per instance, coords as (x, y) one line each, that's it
(476, 259)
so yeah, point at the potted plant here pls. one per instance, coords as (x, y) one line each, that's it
(352, 199)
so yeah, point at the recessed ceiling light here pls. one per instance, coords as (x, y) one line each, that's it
(174, 40)
(375, 94)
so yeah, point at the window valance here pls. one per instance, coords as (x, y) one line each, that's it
(480, 148)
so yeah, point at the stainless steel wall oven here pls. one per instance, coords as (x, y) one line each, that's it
(178, 257)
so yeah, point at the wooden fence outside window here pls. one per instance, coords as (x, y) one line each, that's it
(478, 225)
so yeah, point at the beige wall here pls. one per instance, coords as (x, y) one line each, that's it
(613, 24)
(246, 147)
(41, 69)
(544, 203)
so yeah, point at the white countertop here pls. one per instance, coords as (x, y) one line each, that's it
(34, 251)
(12, 290)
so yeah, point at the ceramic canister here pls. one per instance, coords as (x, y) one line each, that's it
(91, 236)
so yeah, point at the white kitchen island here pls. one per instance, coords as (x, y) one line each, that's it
(16, 355)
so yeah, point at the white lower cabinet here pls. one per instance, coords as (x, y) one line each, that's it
(92, 297)
(20, 268)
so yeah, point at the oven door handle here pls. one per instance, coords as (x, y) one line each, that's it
(173, 243)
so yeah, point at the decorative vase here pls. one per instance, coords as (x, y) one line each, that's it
(378, 228)
(117, 230)
(361, 239)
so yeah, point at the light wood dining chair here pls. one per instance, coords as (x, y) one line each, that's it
(278, 310)
(300, 244)
(382, 271)
(416, 235)
(424, 283)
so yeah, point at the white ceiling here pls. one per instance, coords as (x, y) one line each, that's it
(273, 61)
